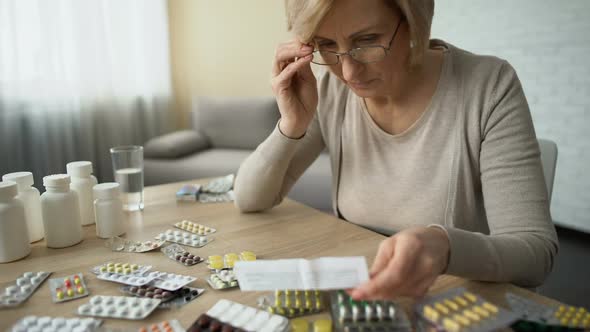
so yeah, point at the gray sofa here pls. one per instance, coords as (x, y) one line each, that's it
(224, 132)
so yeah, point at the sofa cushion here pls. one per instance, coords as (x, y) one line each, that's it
(176, 144)
(235, 123)
(208, 163)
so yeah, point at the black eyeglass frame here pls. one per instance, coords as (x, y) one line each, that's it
(352, 51)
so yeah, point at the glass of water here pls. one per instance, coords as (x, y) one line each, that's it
(128, 171)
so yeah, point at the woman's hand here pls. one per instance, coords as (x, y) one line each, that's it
(406, 264)
(295, 87)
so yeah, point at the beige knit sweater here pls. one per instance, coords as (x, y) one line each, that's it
(470, 163)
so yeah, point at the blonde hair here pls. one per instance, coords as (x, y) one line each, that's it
(305, 16)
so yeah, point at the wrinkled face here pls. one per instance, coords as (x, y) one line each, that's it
(360, 23)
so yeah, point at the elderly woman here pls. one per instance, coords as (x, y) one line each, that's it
(428, 142)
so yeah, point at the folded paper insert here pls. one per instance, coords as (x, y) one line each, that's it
(326, 273)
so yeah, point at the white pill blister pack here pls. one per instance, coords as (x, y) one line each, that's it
(125, 245)
(132, 280)
(222, 279)
(185, 238)
(23, 287)
(61, 324)
(247, 318)
(169, 281)
(122, 307)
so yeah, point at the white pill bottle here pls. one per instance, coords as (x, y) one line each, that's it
(108, 207)
(61, 212)
(83, 181)
(32, 200)
(14, 235)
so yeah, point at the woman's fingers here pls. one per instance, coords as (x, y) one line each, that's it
(286, 53)
(395, 277)
(404, 266)
(384, 254)
(283, 80)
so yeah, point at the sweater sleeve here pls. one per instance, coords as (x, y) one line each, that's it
(267, 175)
(522, 242)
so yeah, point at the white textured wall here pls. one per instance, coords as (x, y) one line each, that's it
(548, 42)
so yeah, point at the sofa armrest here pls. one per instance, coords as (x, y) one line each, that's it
(176, 144)
(235, 122)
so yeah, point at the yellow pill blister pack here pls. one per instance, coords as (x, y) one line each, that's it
(227, 261)
(195, 228)
(564, 315)
(293, 303)
(302, 325)
(460, 310)
(121, 268)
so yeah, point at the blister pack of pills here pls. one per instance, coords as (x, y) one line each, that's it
(193, 227)
(292, 303)
(131, 280)
(68, 288)
(22, 288)
(122, 307)
(149, 292)
(460, 310)
(217, 198)
(219, 185)
(165, 326)
(169, 281)
(61, 324)
(179, 254)
(222, 279)
(565, 316)
(183, 296)
(188, 192)
(120, 244)
(350, 315)
(121, 268)
(227, 261)
(185, 238)
(302, 325)
(226, 315)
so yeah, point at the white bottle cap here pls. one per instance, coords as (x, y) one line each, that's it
(8, 190)
(106, 190)
(22, 179)
(56, 180)
(79, 168)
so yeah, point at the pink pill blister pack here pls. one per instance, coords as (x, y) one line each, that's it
(22, 288)
(122, 307)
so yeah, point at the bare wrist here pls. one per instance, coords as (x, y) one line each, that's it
(290, 131)
(442, 233)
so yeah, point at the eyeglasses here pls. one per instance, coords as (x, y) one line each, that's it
(366, 54)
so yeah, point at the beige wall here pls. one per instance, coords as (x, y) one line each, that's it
(223, 47)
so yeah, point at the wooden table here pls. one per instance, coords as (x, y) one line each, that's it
(291, 230)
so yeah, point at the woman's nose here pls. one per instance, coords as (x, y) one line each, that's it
(350, 67)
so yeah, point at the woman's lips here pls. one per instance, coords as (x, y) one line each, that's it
(360, 84)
